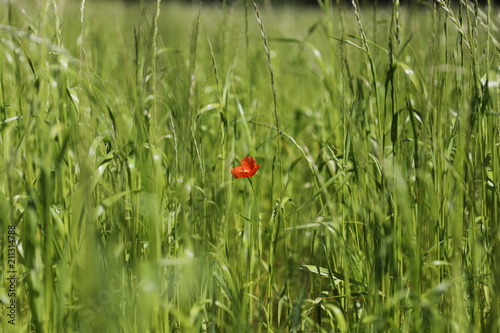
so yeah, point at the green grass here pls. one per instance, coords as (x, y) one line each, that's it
(375, 207)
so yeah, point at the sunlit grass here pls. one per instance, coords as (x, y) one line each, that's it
(374, 209)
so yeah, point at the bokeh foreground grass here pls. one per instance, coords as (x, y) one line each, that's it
(375, 207)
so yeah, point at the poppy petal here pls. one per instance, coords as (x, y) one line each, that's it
(248, 163)
(238, 172)
(247, 169)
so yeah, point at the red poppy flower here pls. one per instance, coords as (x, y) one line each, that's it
(247, 169)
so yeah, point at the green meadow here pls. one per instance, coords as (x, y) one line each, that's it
(375, 208)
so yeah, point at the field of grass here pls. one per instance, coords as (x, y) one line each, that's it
(375, 207)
